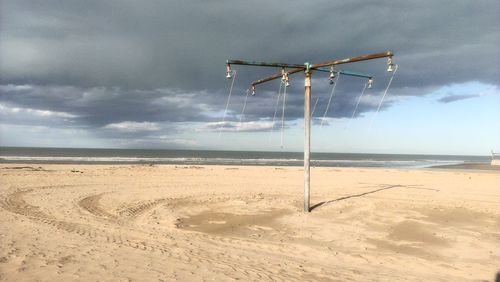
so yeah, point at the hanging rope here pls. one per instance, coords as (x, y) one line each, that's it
(357, 104)
(276, 109)
(283, 116)
(314, 108)
(227, 102)
(330, 100)
(243, 110)
(383, 97)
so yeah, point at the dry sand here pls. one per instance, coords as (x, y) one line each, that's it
(162, 223)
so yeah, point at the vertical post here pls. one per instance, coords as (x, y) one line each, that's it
(307, 137)
(307, 97)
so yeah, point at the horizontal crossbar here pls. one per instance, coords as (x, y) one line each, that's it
(294, 68)
(274, 76)
(349, 73)
(263, 64)
(353, 59)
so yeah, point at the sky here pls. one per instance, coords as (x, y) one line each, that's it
(151, 74)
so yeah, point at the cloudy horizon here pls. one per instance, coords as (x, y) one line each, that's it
(151, 74)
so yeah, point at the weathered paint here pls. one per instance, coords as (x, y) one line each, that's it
(262, 64)
(274, 76)
(344, 72)
(307, 140)
(354, 59)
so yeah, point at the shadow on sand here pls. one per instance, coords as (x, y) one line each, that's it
(366, 193)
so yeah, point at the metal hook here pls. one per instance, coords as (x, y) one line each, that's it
(228, 71)
(332, 75)
(390, 65)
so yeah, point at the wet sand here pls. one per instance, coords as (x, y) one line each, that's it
(164, 223)
(471, 166)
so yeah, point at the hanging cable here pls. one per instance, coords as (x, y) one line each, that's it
(330, 100)
(276, 109)
(357, 104)
(233, 78)
(314, 108)
(243, 110)
(283, 112)
(383, 96)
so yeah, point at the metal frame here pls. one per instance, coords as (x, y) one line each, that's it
(308, 68)
(344, 72)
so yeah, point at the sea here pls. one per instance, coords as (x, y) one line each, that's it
(209, 157)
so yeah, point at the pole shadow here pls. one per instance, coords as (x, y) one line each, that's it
(365, 193)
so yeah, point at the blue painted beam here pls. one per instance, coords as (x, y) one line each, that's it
(349, 73)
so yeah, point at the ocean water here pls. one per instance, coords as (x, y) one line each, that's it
(200, 157)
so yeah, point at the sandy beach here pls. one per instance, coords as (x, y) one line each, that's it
(195, 223)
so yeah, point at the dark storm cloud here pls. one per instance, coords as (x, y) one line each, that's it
(100, 106)
(454, 98)
(108, 62)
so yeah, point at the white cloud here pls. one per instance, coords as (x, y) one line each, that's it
(155, 142)
(132, 126)
(229, 126)
(19, 135)
(13, 87)
(35, 112)
(178, 141)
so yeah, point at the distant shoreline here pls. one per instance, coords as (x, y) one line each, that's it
(463, 166)
(470, 166)
(238, 158)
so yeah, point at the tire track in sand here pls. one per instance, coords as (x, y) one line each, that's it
(137, 209)
(92, 205)
(180, 248)
(127, 213)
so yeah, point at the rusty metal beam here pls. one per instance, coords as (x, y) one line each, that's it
(262, 64)
(297, 68)
(353, 59)
(274, 76)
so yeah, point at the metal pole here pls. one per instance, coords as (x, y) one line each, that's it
(307, 137)
(308, 68)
